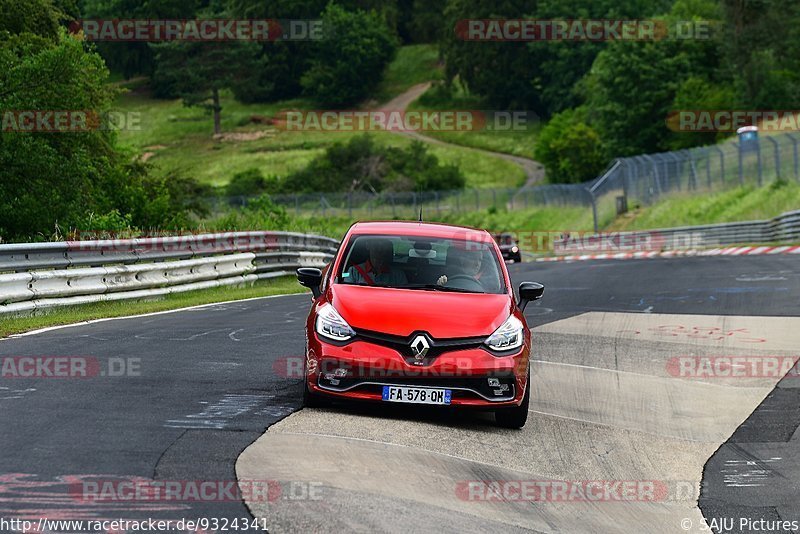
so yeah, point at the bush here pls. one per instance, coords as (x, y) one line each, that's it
(360, 165)
(259, 214)
(245, 184)
(570, 149)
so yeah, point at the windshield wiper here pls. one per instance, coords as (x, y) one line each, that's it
(437, 287)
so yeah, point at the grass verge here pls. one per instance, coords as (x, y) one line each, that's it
(100, 310)
(745, 203)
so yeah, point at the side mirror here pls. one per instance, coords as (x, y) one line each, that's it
(310, 277)
(529, 291)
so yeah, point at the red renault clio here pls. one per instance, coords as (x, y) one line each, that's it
(419, 313)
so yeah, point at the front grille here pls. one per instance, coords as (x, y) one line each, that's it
(402, 344)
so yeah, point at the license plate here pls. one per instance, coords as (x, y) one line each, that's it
(416, 395)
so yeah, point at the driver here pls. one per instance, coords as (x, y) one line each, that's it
(377, 270)
(464, 262)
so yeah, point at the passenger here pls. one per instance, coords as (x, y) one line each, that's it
(378, 269)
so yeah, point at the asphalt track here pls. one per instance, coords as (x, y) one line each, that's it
(605, 407)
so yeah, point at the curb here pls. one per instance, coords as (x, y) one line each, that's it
(730, 251)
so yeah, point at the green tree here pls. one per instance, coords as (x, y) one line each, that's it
(697, 93)
(46, 178)
(631, 90)
(198, 71)
(38, 17)
(347, 65)
(560, 65)
(501, 73)
(761, 46)
(633, 86)
(420, 21)
(56, 181)
(284, 61)
(570, 149)
(137, 58)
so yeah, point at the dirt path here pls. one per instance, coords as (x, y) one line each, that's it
(534, 171)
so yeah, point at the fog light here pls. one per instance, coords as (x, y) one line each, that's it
(333, 378)
(498, 388)
(341, 372)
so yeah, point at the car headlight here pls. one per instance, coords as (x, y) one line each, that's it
(514, 249)
(508, 337)
(331, 325)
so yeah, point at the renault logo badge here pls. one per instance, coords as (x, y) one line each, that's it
(420, 347)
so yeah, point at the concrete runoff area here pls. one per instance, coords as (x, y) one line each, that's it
(611, 406)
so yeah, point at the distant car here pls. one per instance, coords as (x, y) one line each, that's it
(419, 313)
(508, 247)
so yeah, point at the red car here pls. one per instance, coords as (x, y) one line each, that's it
(419, 313)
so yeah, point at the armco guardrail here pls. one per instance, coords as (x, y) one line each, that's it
(45, 275)
(783, 228)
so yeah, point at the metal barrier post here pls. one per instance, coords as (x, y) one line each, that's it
(760, 171)
(721, 164)
(777, 157)
(741, 163)
(794, 150)
(593, 200)
(655, 173)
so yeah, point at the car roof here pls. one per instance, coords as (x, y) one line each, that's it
(415, 228)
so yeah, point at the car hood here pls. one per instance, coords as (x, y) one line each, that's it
(401, 312)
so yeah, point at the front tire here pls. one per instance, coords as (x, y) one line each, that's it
(517, 416)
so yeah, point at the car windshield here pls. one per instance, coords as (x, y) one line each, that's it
(422, 263)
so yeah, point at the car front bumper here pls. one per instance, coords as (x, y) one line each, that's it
(359, 370)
